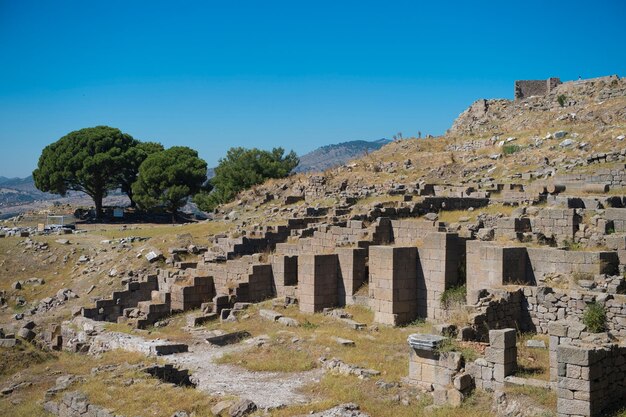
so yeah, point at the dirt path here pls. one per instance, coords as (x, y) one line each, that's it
(266, 389)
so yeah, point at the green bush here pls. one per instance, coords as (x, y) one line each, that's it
(561, 99)
(511, 149)
(453, 296)
(594, 318)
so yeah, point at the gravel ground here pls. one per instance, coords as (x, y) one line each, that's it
(266, 389)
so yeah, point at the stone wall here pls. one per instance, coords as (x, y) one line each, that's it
(617, 216)
(528, 88)
(261, 239)
(560, 224)
(546, 305)
(549, 261)
(260, 284)
(250, 272)
(439, 259)
(328, 237)
(562, 332)
(186, 297)
(285, 271)
(434, 204)
(438, 372)
(317, 282)
(111, 309)
(499, 362)
(591, 379)
(500, 310)
(614, 177)
(531, 308)
(490, 265)
(512, 227)
(410, 232)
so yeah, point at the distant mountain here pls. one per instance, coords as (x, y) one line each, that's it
(20, 190)
(5, 179)
(330, 156)
(23, 184)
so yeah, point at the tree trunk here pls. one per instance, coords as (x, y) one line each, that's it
(129, 193)
(97, 199)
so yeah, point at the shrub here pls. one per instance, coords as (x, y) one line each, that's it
(511, 149)
(309, 326)
(594, 317)
(453, 296)
(561, 99)
(571, 245)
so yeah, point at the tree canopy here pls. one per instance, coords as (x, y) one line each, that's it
(243, 168)
(167, 178)
(133, 158)
(88, 160)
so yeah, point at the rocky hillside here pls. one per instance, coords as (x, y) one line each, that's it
(492, 141)
(330, 156)
(588, 102)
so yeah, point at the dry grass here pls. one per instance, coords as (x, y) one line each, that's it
(162, 236)
(379, 347)
(21, 357)
(132, 392)
(124, 388)
(277, 356)
(540, 396)
(42, 373)
(337, 389)
(532, 362)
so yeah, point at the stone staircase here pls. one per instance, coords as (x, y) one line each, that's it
(148, 312)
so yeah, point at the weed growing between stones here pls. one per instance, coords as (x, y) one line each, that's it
(594, 317)
(453, 296)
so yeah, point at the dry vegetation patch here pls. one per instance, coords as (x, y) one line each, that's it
(378, 347)
(533, 362)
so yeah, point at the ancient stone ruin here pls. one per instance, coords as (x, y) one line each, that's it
(530, 254)
(529, 88)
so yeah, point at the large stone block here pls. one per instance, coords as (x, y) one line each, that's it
(502, 339)
(573, 407)
(575, 355)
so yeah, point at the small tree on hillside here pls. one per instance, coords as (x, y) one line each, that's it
(87, 160)
(168, 178)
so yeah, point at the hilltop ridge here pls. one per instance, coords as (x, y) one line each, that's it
(330, 156)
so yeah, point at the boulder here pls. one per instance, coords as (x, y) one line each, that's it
(242, 408)
(26, 334)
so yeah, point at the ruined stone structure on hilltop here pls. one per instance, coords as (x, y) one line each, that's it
(528, 88)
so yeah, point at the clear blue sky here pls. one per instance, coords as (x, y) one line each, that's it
(295, 74)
